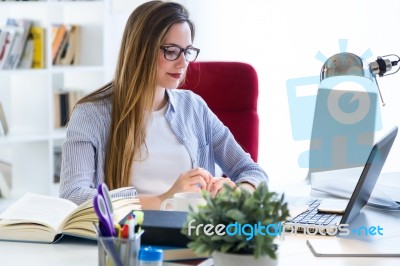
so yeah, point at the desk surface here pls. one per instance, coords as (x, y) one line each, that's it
(293, 248)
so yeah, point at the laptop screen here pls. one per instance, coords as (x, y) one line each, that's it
(369, 176)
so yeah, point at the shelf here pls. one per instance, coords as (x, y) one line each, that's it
(23, 71)
(27, 95)
(23, 137)
(75, 69)
(23, 4)
(52, 69)
(59, 134)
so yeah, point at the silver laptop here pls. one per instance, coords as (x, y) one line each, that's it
(315, 221)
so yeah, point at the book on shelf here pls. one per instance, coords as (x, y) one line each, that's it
(3, 122)
(3, 40)
(38, 34)
(64, 103)
(70, 55)
(58, 35)
(27, 54)
(5, 179)
(63, 47)
(68, 51)
(10, 33)
(46, 219)
(14, 39)
(22, 27)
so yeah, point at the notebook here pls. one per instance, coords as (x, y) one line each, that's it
(163, 228)
(327, 223)
(340, 247)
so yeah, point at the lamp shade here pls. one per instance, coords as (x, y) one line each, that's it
(345, 64)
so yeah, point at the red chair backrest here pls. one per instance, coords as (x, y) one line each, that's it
(231, 90)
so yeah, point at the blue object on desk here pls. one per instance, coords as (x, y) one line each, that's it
(150, 256)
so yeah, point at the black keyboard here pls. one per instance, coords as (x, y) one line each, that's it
(312, 216)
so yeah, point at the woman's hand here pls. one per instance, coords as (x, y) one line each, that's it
(193, 180)
(247, 186)
(216, 184)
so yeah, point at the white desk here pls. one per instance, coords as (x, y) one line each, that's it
(69, 252)
(292, 250)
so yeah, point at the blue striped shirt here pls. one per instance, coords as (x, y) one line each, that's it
(207, 140)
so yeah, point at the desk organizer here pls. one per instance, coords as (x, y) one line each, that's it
(114, 251)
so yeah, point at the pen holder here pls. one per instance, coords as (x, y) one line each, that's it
(114, 251)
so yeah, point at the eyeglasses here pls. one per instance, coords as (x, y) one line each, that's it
(173, 52)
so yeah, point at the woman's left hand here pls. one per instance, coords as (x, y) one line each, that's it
(215, 185)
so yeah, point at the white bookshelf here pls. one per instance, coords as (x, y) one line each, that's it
(27, 95)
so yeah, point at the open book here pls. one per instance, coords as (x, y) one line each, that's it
(39, 218)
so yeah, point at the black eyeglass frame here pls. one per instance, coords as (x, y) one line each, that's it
(164, 48)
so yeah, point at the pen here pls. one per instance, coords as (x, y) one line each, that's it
(139, 216)
(125, 231)
(132, 225)
(118, 229)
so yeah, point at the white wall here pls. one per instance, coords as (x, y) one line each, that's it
(281, 39)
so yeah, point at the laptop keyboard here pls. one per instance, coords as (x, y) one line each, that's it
(312, 216)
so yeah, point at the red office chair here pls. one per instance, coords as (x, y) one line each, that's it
(231, 90)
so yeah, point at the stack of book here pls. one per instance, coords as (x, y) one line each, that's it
(5, 179)
(3, 122)
(21, 45)
(64, 103)
(65, 44)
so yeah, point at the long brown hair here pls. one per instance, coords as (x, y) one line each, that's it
(133, 88)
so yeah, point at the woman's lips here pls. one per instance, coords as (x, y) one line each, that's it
(175, 75)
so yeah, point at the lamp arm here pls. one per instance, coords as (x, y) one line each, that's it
(379, 91)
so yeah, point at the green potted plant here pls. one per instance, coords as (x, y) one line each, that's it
(238, 227)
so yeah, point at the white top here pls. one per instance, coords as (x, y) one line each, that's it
(167, 157)
(205, 137)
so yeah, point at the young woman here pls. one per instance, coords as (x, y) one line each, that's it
(140, 131)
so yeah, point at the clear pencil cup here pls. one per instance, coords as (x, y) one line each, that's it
(114, 251)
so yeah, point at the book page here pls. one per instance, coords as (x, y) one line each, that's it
(37, 208)
(87, 206)
(81, 222)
